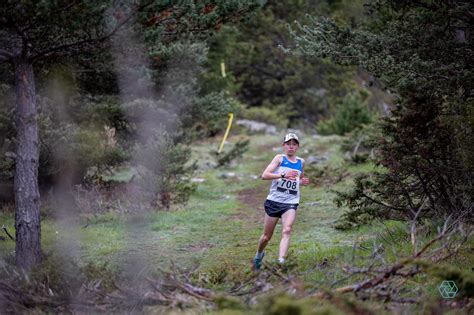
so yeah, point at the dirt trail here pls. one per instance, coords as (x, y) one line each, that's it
(251, 199)
(251, 203)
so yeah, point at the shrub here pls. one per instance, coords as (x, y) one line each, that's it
(360, 143)
(239, 148)
(351, 113)
(272, 116)
(166, 170)
(208, 115)
(70, 150)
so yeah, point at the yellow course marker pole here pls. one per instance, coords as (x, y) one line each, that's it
(231, 115)
(229, 124)
(223, 69)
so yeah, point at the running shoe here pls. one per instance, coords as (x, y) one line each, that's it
(257, 262)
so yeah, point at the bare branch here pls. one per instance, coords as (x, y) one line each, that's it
(5, 54)
(59, 11)
(78, 44)
(381, 203)
(65, 48)
(413, 229)
(24, 38)
(4, 227)
(380, 282)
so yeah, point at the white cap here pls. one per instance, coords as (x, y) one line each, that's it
(290, 136)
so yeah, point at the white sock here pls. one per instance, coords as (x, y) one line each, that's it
(281, 260)
(259, 255)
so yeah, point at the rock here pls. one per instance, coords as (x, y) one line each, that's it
(227, 175)
(386, 108)
(313, 159)
(209, 165)
(313, 204)
(298, 132)
(253, 176)
(257, 126)
(198, 180)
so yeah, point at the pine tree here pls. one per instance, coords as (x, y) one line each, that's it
(422, 51)
(260, 75)
(33, 33)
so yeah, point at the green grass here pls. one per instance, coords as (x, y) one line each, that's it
(218, 231)
(208, 226)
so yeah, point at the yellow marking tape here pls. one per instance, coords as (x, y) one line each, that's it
(229, 124)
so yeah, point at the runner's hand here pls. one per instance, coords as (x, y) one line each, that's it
(304, 181)
(291, 175)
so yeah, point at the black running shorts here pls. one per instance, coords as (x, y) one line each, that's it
(276, 209)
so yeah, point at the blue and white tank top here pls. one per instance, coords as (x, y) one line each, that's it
(284, 190)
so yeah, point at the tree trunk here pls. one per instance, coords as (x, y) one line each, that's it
(27, 197)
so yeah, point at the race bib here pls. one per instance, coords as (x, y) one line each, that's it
(288, 186)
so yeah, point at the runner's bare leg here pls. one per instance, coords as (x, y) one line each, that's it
(287, 220)
(269, 224)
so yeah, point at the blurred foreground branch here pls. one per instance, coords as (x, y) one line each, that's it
(386, 281)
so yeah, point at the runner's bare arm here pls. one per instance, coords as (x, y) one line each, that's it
(302, 169)
(268, 173)
(304, 180)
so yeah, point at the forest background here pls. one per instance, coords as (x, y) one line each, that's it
(120, 127)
